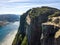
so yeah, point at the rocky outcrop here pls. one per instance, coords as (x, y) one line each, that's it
(49, 32)
(35, 29)
(57, 37)
(21, 31)
(31, 27)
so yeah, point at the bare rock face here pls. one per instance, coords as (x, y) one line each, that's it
(49, 32)
(57, 37)
(34, 33)
(58, 41)
(31, 27)
(34, 28)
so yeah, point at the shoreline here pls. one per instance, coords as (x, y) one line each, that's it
(9, 38)
(2, 23)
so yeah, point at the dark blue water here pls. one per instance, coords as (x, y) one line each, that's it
(6, 30)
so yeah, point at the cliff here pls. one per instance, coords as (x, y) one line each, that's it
(32, 30)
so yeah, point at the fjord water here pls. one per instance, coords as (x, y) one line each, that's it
(8, 32)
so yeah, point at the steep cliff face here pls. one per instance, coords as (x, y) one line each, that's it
(50, 33)
(21, 31)
(30, 29)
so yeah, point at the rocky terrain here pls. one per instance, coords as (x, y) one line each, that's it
(39, 26)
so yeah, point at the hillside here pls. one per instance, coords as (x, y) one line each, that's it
(38, 21)
(9, 17)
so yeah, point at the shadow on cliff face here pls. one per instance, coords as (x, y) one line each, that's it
(58, 41)
(49, 32)
(35, 32)
(57, 38)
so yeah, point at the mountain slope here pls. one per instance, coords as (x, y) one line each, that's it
(9, 17)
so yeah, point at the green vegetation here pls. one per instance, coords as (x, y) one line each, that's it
(35, 12)
(56, 14)
(24, 42)
(55, 20)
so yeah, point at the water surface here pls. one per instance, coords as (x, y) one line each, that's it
(8, 32)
